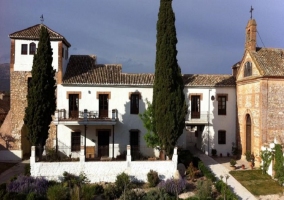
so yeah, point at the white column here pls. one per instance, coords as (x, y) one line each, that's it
(128, 157)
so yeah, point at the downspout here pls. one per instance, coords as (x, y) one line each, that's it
(208, 118)
(56, 145)
(113, 141)
(85, 141)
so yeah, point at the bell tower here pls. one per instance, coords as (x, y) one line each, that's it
(250, 43)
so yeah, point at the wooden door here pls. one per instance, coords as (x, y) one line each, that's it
(103, 143)
(195, 106)
(103, 106)
(248, 133)
(73, 105)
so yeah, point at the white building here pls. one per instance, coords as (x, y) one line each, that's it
(98, 105)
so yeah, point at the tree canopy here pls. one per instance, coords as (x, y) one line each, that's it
(41, 92)
(169, 107)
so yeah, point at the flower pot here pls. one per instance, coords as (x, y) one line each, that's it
(233, 167)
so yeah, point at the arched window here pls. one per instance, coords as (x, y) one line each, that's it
(32, 48)
(248, 69)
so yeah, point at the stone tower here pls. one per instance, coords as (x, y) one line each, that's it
(23, 47)
(250, 43)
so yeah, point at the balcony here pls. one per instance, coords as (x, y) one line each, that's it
(85, 117)
(202, 118)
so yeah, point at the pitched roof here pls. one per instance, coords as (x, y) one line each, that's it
(214, 80)
(270, 61)
(83, 70)
(33, 33)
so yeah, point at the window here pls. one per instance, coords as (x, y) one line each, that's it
(75, 141)
(248, 69)
(222, 104)
(134, 103)
(221, 137)
(62, 52)
(32, 48)
(66, 54)
(24, 49)
(195, 106)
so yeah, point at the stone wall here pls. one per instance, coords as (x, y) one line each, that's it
(248, 102)
(263, 100)
(18, 103)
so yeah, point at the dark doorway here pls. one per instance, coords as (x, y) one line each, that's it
(195, 106)
(103, 105)
(248, 133)
(103, 143)
(134, 144)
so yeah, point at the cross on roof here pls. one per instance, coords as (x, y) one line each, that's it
(251, 9)
(41, 18)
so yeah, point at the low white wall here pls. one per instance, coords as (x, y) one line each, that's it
(11, 155)
(105, 171)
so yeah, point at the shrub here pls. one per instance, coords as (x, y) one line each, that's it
(153, 178)
(207, 173)
(204, 189)
(27, 184)
(122, 183)
(132, 195)
(248, 156)
(89, 191)
(31, 196)
(27, 171)
(279, 164)
(72, 179)
(111, 192)
(191, 171)
(57, 192)
(213, 152)
(233, 162)
(2, 190)
(184, 157)
(157, 194)
(172, 186)
(14, 196)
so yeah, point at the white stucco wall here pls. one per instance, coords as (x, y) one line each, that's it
(25, 62)
(104, 171)
(120, 100)
(216, 122)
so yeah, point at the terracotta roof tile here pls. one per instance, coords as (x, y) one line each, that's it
(83, 70)
(270, 61)
(33, 32)
(216, 80)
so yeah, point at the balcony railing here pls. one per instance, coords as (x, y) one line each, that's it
(62, 114)
(203, 117)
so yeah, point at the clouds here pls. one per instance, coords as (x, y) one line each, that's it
(210, 33)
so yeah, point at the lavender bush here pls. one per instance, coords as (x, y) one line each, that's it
(172, 186)
(27, 184)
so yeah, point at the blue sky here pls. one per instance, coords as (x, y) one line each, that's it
(210, 33)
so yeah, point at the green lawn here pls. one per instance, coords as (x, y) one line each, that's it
(5, 166)
(257, 183)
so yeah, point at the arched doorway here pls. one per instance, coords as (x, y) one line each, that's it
(248, 133)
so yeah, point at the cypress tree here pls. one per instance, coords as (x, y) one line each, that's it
(169, 107)
(41, 93)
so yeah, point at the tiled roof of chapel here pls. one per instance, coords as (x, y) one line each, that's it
(83, 70)
(33, 33)
(270, 61)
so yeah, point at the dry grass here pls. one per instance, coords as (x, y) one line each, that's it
(257, 183)
(4, 166)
